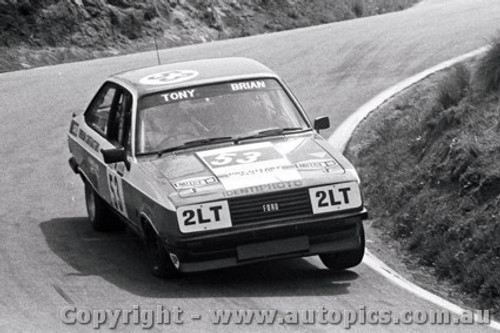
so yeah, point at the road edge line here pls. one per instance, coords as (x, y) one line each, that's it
(339, 140)
(343, 133)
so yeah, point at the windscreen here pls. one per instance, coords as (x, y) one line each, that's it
(234, 109)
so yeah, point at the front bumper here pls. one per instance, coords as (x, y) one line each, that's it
(260, 242)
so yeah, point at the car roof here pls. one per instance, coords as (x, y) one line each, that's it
(190, 73)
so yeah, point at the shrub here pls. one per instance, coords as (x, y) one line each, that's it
(454, 87)
(358, 8)
(488, 70)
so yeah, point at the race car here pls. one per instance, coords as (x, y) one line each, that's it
(214, 163)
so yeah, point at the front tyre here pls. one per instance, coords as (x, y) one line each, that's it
(160, 263)
(347, 259)
(101, 217)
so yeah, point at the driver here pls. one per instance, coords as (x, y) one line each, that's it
(167, 128)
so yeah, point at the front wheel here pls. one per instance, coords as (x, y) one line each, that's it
(160, 262)
(347, 259)
(100, 215)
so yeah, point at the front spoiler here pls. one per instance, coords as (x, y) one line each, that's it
(288, 240)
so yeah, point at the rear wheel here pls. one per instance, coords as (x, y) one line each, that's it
(100, 214)
(160, 262)
(347, 259)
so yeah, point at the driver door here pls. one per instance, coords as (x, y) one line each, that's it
(118, 134)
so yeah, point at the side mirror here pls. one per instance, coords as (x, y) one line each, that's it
(115, 155)
(321, 123)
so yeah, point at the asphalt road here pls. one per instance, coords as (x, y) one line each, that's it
(50, 258)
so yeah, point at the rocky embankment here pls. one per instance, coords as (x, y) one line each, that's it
(40, 32)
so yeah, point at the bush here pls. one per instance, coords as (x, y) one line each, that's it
(454, 87)
(488, 70)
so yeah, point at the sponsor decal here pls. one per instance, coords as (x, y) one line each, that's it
(254, 172)
(88, 140)
(176, 96)
(333, 198)
(249, 85)
(249, 165)
(316, 164)
(207, 216)
(73, 129)
(194, 182)
(169, 77)
(264, 188)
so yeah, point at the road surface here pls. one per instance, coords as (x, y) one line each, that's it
(51, 259)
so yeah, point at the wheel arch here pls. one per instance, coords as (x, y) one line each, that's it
(86, 180)
(146, 222)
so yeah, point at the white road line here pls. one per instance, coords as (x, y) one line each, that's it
(342, 134)
(376, 264)
(341, 137)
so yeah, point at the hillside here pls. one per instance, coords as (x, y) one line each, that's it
(40, 32)
(430, 163)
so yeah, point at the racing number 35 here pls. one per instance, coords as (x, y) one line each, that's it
(334, 198)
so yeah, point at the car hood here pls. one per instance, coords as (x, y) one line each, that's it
(222, 171)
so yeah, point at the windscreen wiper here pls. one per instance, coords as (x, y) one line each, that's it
(208, 140)
(201, 142)
(194, 143)
(270, 132)
(170, 149)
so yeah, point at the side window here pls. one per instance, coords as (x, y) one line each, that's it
(97, 115)
(120, 119)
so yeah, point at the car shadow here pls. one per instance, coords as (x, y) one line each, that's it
(120, 259)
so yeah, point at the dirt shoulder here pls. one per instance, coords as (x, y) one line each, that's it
(394, 255)
(46, 32)
(428, 159)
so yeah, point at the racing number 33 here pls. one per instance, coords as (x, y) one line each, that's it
(334, 198)
(116, 192)
(237, 157)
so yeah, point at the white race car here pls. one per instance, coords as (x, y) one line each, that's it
(214, 164)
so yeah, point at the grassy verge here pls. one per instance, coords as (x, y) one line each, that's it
(48, 32)
(430, 162)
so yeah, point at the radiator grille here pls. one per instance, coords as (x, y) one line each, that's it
(251, 209)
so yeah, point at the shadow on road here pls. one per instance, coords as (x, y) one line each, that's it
(120, 259)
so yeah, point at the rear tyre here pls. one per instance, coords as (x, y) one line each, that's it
(159, 260)
(101, 216)
(347, 259)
